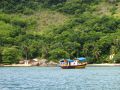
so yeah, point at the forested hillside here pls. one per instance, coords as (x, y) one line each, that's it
(56, 29)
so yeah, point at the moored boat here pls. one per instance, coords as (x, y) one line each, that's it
(76, 63)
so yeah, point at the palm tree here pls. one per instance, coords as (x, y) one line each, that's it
(0, 55)
(85, 50)
(113, 50)
(96, 53)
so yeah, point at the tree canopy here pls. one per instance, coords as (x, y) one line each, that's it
(88, 29)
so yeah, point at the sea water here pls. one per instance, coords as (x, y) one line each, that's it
(55, 78)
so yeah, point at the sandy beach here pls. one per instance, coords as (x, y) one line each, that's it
(16, 65)
(88, 65)
(102, 65)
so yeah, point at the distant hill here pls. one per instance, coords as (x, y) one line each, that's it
(56, 29)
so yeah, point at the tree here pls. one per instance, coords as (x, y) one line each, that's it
(96, 54)
(58, 53)
(85, 50)
(117, 58)
(113, 50)
(10, 55)
(0, 54)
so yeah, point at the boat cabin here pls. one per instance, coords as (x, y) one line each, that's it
(74, 62)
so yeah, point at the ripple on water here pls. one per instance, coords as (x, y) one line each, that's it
(55, 78)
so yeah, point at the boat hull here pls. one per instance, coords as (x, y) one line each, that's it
(74, 67)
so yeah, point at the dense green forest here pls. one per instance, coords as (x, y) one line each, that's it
(57, 29)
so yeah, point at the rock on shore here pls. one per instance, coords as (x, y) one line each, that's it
(33, 62)
(39, 62)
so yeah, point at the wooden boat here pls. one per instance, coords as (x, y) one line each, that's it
(74, 67)
(73, 64)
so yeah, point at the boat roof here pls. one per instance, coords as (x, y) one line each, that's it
(69, 60)
(81, 58)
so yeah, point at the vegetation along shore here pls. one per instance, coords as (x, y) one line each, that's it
(57, 29)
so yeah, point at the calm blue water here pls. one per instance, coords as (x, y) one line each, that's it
(55, 78)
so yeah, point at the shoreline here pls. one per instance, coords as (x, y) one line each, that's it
(103, 65)
(88, 65)
(26, 65)
(16, 65)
